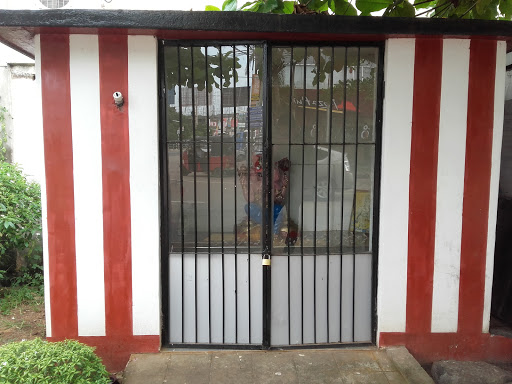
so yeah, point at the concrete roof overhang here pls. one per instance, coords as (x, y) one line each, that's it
(18, 27)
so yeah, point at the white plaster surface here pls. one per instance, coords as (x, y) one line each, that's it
(450, 184)
(88, 187)
(38, 111)
(9, 55)
(499, 104)
(142, 101)
(394, 203)
(27, 138)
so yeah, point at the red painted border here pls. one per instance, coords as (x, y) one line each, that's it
(58, 149)
(113, 68)
(423, 183)
(115, 351)
(482, 65)
(451, 346)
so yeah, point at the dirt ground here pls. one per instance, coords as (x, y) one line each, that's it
(25, 322)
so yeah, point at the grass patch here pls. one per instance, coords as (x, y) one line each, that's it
(13, 297)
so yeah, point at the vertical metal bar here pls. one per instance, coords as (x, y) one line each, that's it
(289, 183)
(343, 182)
(376, 187)
(355, 195)
(302, 198)
(234, 163)
(267, 187)
(195, 184)
(222, 190)
(209, 197)
(164, 201)
(316, 190)
(181, 201)
(331, 86)
(248, 124)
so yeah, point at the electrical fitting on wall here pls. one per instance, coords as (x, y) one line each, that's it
(118, 99)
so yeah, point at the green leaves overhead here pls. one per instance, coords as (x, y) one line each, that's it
(506, 8)
(467, 9)
(288, 7)
(368, 6)
(229, 5)
(268, 6)
(344, 8)
(400, 9)
(420, 4)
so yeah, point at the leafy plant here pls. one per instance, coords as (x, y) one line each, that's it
(41, 362)
(3, 134)
(20, 220)
(466, 9)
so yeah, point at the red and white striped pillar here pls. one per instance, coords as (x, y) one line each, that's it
(443, 122)
(100, 193)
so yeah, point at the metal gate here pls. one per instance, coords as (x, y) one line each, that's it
(268, 181)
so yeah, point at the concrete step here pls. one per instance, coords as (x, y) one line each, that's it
(368, 365)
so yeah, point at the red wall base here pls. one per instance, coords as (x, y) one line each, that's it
(427, 348)
(115, 351)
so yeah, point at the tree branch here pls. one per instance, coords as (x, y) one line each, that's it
(433, 9)
(469, 10)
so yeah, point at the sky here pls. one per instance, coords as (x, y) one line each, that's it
(184, 5)
(196, 5)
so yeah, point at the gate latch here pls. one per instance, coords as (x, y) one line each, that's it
(266, 260)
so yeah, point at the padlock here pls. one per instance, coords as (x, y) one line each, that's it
(266, 260)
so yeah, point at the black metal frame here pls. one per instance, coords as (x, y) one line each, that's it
(267, 158)
(267, 189)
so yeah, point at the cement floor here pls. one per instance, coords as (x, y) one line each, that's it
(376, 366)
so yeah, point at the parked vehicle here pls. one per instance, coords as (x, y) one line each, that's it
(221, 156)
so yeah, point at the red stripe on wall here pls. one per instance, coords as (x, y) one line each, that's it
(423, 183)
(113, 55)
(58, 150)
(482, 65)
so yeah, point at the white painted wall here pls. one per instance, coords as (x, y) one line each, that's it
(144, 185)
(450, 184)
(5, 102)
(19, 95)
(27, 140)
(44, 211)
(88, 186)
(394, 200)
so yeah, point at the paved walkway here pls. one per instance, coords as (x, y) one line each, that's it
(375, 366)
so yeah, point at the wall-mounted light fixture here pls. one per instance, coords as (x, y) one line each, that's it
(118, 99)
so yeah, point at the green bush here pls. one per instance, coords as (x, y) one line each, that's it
(37, 361)
(20, 222)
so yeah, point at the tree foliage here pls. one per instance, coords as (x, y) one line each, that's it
(462, 9)
(20, 217)
(207, 69)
